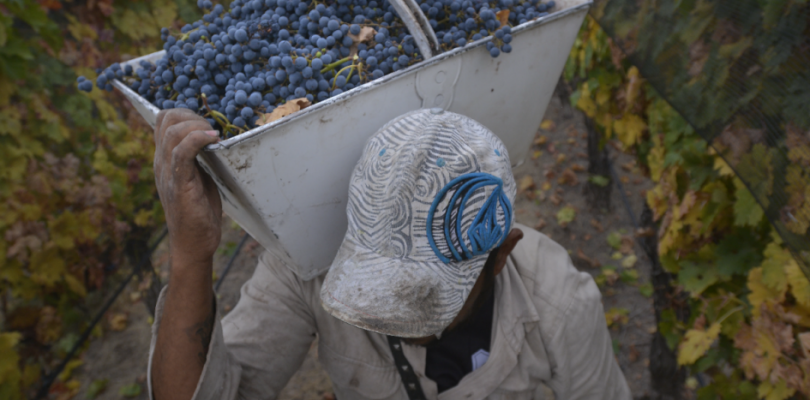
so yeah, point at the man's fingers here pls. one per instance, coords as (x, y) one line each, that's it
(177, 132)
(183, 156)
(169, 118)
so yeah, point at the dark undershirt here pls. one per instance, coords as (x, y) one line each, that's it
(450, 358)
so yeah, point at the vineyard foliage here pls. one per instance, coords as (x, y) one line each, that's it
(749, 298)
(75, 171)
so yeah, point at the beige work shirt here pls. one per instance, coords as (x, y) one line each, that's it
(548, 330)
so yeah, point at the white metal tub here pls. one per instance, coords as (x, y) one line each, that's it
(286, 183)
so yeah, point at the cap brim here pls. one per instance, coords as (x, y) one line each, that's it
(395, 296)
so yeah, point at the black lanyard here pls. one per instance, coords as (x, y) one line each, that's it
(406, 372)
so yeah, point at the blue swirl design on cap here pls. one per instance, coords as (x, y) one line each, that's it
(484, 233)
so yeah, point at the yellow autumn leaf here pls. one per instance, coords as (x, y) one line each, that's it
(10, 121)
(143, 217)
(79, 30)
(9, 361)
(629, 129)
(655, 160)
(30, 375)
(585, 103)
(164, 13)
(68, 371)
(47, 267)
(63, 230)
(799, 285)
(722, 167)
(774, 267)
(696, 343)
(779, 391)
(760, 292)
(75, 285)
(603, 96)
(547, 125)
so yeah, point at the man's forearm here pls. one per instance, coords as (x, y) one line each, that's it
(184, 335)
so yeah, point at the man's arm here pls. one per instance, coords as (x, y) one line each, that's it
(193, 213)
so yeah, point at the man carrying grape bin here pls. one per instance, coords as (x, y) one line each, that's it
(435, 293)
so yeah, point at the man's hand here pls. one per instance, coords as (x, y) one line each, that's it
(189, 196)
(194, 215)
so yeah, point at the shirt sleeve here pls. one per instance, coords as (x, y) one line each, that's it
(259, 345)
(587, 350)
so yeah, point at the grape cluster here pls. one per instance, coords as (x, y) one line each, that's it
(235, 65)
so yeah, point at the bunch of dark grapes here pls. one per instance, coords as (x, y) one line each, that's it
(235, 65)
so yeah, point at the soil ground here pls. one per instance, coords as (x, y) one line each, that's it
(553, 181)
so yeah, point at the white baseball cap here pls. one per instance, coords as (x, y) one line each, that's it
(430, 197)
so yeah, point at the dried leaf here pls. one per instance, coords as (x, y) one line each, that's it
(626, 245)
(366, 34)
(594, 263)
(49, 326)
(502, 17)
(525, 183)
(283, 110)
(547, 125)
(568, 177)
(545, 186)
(599, 180)
(536, 154)
(628, 166)
(617, 316)
(646, 290)
(560, 158)
(541, 140)
(597, 225)
(555, 199)
(614, 238)
(577, 168)
(629, 261)
(539, 195)
(118, 322)
(804, 341)
(566, 215)
(96, 388)
(130, 390)
(540, 224)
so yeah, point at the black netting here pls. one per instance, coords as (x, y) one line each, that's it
(739, 72)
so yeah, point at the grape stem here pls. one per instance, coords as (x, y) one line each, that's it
(187, 34)
(221, 119)
(350, 68)
(335, 64)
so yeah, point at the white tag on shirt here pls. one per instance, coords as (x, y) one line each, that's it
(479, 358)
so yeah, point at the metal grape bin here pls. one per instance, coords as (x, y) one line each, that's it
(286, 183)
